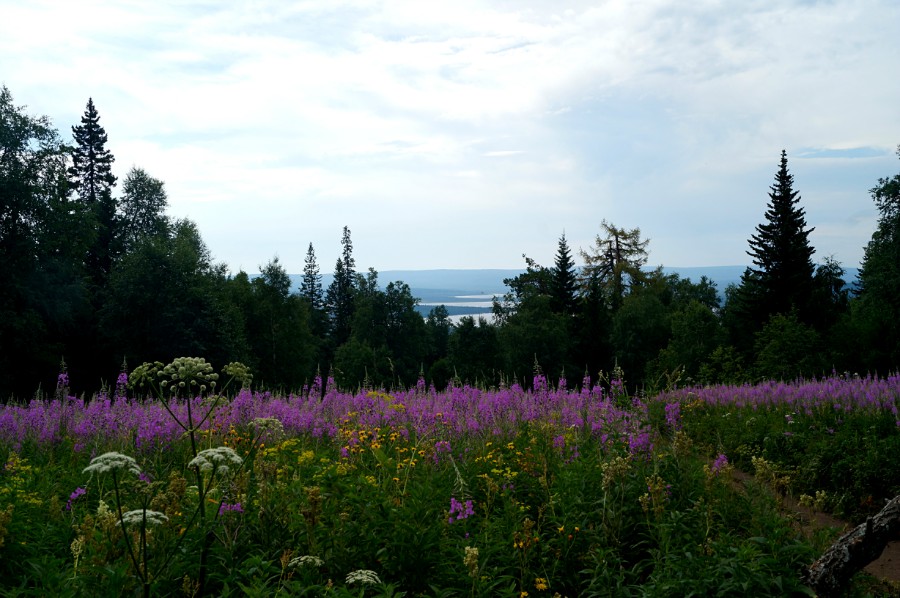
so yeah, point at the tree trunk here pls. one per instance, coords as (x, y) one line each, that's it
(854, 550)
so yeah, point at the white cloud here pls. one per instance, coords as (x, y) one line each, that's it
(466, 133)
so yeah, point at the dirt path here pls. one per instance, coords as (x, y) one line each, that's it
(886, 567)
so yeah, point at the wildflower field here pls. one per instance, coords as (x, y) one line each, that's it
(168, 486)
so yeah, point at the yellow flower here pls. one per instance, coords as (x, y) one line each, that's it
(540, 584)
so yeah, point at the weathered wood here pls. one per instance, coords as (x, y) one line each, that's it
(829, 575)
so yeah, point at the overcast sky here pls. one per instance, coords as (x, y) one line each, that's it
(463, 134)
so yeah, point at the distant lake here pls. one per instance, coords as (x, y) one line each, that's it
(469, 292)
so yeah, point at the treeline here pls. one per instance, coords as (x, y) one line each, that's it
(95, 281)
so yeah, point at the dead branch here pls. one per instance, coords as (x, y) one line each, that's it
(829, 575)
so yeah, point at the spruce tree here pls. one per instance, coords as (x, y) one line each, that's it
(311, 285)
(563, 285)
(91, 176)
(339, 297)
(781, 252)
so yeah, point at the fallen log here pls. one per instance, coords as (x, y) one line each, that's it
(829, 575)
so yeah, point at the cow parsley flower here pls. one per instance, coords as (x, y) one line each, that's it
(110, 462)
(363, 576)
(219, 459)
(307, 560)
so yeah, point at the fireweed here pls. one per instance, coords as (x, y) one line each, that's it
(513, 446)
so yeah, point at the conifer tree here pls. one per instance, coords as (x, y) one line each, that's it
(781, 252)
(91, 176)
(311, 285)
(339, 297)
(563, 285)
(614, 263)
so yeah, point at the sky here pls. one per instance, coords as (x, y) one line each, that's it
(465, 134)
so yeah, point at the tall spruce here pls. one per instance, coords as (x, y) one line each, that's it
(311, 285)
(340, 294)
(91, 176)
(781, 252)
(564, 283)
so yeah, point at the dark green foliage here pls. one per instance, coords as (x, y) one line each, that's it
(640, 328)
(278, 331)
(536, 281)
(165, 298)
(878, 312)
(696, 332)
(724, 365)
(388, 324)
(475, 351)
(536, 333)
(438, 327)
(141, 209)
(787, 349)
(41, 293)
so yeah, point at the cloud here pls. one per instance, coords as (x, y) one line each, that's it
(501, 123)
(848, 153)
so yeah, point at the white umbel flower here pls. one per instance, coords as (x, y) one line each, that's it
(109, 462)
(136, 517)
(219, 459)
(363, 576)
(307, 560)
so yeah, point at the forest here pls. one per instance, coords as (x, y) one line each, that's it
(98, 279)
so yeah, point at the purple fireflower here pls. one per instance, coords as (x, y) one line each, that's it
(78, 493)
(230, 508)
(441, 446)
(121, 384)
(720, 463)
(461, 510)
(673, 416)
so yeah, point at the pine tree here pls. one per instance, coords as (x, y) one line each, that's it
(781, 251)
(311, 285)
(91, 175)
(564, 285)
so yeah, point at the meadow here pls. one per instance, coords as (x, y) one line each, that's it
(171, 484)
